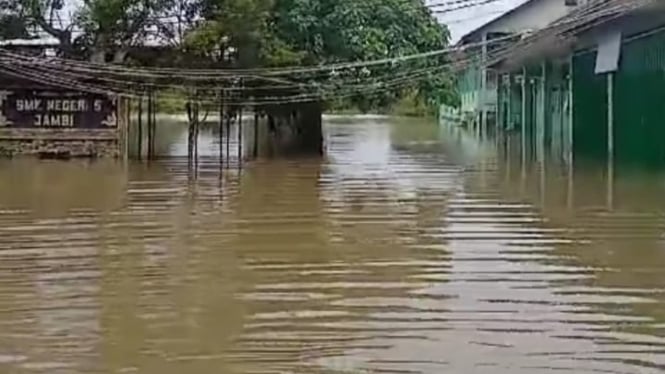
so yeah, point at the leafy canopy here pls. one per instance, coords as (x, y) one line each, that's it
(257, 33)
(13, 22)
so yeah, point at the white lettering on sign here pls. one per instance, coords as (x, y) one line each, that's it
(56, 110)
(66, 105)
(54, 120)
(23, 105)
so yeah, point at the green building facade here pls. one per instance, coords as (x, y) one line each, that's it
(560, 107)
(534, 102)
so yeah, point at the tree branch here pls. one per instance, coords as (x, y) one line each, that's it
(37, 14)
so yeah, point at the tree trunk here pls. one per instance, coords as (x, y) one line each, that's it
(120, 55)
(98, 55)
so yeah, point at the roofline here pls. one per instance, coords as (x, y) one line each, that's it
(570, 41)
(509, 12)
(43, 42)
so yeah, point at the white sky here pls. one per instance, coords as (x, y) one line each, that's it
(462, 21)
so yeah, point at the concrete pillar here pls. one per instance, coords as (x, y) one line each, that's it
(296, 129)
(311, 129)
(571, 137)
(523, 131)
(509, 112)
(610, 140)
(542, 134)
(483, 86)
(571, 117)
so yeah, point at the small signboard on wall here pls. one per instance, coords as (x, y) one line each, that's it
(609, 52)
(56, 110)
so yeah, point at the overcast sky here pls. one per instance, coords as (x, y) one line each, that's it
(464, 20)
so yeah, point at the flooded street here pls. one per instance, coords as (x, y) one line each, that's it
(400, 252)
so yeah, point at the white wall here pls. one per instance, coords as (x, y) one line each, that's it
(534, 15)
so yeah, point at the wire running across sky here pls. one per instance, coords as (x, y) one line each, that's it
(270, 86)
(258, 85)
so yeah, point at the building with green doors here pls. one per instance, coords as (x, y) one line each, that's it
(590, 86)
(477, 84)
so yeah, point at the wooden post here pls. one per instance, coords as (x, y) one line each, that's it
(128, 120)
(240, 136)
(256, 133)
(150, 104)
(610, 140)
(221, 126)
(154, 125)
(192, 133)
(148, 121)
(197, 108)
(190, 118)
(139, 136)
(228, 137)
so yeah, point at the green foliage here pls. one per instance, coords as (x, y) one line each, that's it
(251, 33)
(232, 31)
(172, 103)
(268, 33)
(351, 30)
(110, 27)
(13, 22)
(412, 105)
(329, 31)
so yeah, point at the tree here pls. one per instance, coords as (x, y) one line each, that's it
(111, 27)
(13, 23)
(48, 16)
(263, 33)
(105, 29)
(329, 31)
(313, 32)
(235, 31)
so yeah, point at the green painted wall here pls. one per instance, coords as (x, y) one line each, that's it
(589, 109)
(640, 102)
(557, 116)
(468, 86)
(639, 106)
(547, 101)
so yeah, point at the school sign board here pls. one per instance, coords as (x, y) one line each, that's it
(56, 110)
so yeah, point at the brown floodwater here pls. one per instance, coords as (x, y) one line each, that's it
(405, 250)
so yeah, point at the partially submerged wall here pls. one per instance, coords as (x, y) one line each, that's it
(295, 130)
(44, 121)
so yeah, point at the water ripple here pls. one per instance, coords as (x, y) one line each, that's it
(393, 255)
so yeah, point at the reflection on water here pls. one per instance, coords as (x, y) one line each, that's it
(398, 253)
